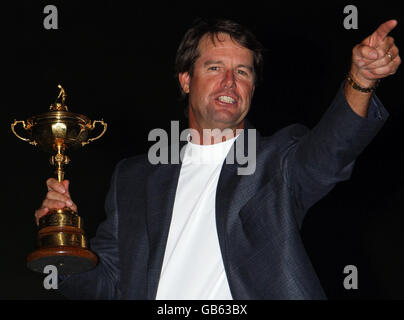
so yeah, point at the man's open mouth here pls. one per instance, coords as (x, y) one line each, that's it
(226, 99)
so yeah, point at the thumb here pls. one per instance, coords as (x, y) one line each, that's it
(66, 184)
(366, 52)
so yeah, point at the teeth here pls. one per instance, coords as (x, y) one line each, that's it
(226, 99)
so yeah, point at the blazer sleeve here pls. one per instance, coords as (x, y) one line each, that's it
(103, 281)
(326, 154)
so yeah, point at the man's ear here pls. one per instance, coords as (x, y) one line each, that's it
(184, 79)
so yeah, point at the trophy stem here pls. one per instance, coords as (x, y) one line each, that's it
(60, 173)
(59, 160)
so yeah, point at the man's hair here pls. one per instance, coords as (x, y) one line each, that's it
(188, 51)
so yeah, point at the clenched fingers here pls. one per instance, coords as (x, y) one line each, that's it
(58, 197)
(385, 53)
(384, 60)
(61, 187)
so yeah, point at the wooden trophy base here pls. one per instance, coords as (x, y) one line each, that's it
(67, 260)
(61, 243)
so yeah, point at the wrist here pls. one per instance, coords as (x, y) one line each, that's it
(361, 80)
(362, 85)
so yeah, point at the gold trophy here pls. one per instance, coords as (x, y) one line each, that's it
(61, 241)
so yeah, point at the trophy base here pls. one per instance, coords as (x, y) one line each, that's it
(61, 243)
(67, 260)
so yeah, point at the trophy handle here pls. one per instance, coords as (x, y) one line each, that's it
(91, 127)
(25, 127)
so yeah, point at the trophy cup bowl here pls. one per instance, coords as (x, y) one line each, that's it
(61, 240)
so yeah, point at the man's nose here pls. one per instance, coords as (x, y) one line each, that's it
(229, 80)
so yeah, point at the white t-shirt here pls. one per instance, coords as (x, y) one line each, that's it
(193, 266)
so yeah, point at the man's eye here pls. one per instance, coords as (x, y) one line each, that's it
(214, 68)
(242, 72)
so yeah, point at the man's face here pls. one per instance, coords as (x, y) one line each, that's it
(221, 87)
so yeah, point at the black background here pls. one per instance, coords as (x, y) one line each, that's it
(115, 60)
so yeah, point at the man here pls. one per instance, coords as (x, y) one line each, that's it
(201, 230)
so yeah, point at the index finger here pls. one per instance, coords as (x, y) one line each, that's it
(381, 32)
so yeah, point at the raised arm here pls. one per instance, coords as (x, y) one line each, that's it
(326, 154)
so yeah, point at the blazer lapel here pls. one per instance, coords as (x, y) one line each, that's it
(161, 189)
(230, 193)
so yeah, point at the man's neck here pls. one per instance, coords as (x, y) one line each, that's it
(208, 136)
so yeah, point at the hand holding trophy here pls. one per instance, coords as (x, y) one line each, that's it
(61, 240)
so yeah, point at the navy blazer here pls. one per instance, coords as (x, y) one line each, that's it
(258, 216)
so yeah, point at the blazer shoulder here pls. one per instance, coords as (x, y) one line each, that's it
(285, 136)
(128, 166)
